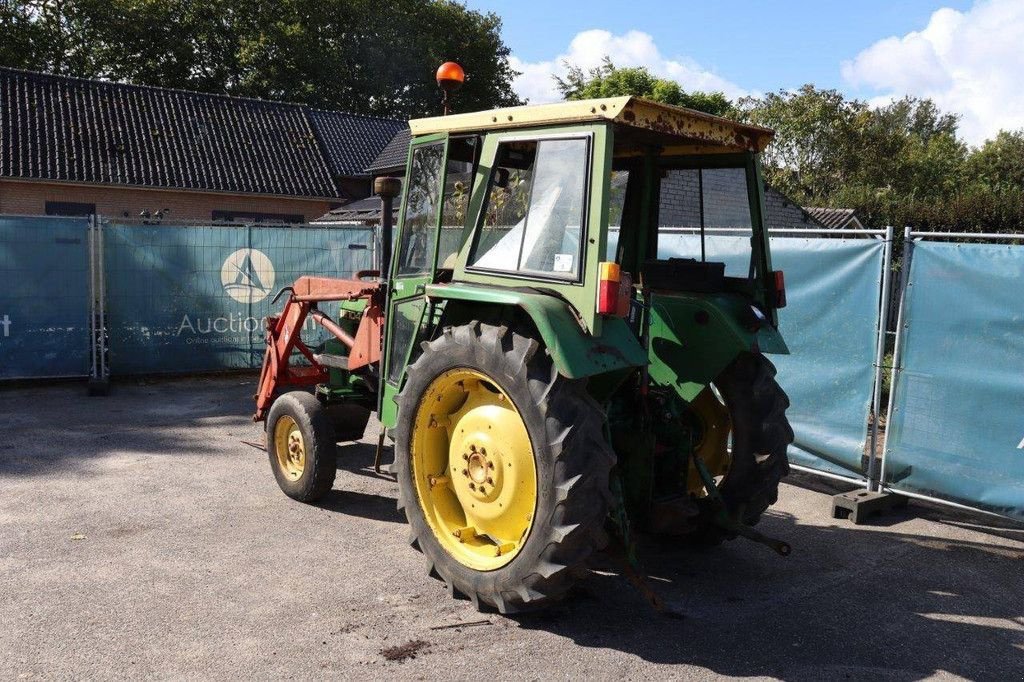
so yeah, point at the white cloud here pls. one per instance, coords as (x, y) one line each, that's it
(971, 63)
(634, 48)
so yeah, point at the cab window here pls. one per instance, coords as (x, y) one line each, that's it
(533, 218)
(422, 204)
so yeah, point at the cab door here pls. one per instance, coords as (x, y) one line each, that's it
(414, 263)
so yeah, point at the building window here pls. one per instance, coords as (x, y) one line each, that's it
(254, 217)
(69, 208)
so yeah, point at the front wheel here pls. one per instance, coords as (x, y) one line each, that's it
(301, 446)
(502, 467)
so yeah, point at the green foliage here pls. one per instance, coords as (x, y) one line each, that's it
(899, 164)
(608, 80)
(353, 55)
(999, 163)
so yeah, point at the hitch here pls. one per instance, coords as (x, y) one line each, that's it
(734, 525)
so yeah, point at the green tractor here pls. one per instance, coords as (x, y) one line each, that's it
(556, 346)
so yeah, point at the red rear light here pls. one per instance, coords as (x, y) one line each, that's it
(608, 289)
(780, 288)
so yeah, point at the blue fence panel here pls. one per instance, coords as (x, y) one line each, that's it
(194, 298)
(957, 429)
(44, 297)
(830, 325)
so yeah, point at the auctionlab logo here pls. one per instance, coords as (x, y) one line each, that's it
(247, 276)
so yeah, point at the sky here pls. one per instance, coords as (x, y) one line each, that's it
(966, 55)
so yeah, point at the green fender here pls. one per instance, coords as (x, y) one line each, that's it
(575, 352)
(696, 336)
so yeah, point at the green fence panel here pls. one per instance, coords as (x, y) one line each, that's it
(830, 325)
(194, 298)
(957, 429)
(44, 297)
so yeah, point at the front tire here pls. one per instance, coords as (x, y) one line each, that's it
(517, 547)
(301, 446)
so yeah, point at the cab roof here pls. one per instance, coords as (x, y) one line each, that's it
(648, 122)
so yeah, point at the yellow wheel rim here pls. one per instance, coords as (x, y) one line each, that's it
(290, 447)
(473, 469)
(713, 425)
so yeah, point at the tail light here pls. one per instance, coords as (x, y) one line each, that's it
(609, 277)
(780, 288)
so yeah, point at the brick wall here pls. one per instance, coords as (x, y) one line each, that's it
(29, 198)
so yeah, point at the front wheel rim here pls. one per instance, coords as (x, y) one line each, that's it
(473, 469)
(290, 447)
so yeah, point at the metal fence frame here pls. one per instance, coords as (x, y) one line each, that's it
(896, 369)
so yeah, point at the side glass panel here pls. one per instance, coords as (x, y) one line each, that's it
(422, 204)
(533, 218)
(405, 320)
(458, 183)
(616, 204)
(712, 199)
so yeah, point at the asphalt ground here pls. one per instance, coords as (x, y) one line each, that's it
(140, 537)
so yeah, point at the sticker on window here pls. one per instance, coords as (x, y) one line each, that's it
(563, 262)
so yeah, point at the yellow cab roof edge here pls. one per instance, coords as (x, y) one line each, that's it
(629, 111)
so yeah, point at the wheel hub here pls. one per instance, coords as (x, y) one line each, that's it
(481, 476)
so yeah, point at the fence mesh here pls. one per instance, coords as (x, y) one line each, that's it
(192, 298)
(44, 297)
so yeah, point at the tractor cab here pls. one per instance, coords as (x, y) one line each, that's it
(611, 207)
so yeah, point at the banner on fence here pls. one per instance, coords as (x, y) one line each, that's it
(957, 429)
(830, 325)
(44, 297)
(195, 298)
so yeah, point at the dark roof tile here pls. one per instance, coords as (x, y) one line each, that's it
(78, 130)
(394, 155)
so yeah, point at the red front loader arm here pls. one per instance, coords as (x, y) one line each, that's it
(283, 333)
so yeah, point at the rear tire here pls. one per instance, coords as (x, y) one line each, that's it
(571, 458)
(761, 435)
(301, 446)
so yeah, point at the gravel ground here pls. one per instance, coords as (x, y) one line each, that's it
(139, 537)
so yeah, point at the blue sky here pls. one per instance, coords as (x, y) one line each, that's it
(966, 54)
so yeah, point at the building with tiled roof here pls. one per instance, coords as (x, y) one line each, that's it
(835, 218)
(75, 146)
(392, 158)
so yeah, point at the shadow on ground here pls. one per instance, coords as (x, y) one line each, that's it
(850, 603)
(876, 601)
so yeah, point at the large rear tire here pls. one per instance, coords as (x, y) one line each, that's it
(481, 399)
(761, 434)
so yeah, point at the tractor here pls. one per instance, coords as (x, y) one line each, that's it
(557, 344)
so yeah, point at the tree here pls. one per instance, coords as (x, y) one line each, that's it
(353, 55)
(608, 80)
(999, 164)
(828, 145)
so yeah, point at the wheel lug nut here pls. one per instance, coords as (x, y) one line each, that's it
(465, 457)
(465, 472)
(490, 465)
(483, 451)
(472, 486)
(490, 481)
(472, 448)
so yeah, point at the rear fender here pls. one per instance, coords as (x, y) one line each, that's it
(696, 336)
(575, 352)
